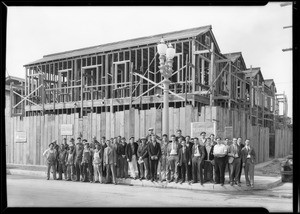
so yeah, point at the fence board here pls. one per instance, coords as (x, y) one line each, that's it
(188, 120)
(103, 124)
(176, 112)
(142, 123)
(202, 114)
(136, 124)
(171, 122)
(208, 114)
(118, 121)
(153, 118)
(131, 123)
(182, 120)
(98, 118)
(126, 124)
(108, 128)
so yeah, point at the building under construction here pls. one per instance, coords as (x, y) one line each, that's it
(116, 89)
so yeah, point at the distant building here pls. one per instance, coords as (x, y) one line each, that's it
(11, 99)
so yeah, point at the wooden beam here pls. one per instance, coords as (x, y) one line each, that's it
(211, 74)
(202, 52)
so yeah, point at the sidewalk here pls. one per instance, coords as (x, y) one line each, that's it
(260, 183)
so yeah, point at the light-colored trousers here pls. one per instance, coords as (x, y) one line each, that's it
(162, 168)
(133, 167)
(249, 172)
(97, 172)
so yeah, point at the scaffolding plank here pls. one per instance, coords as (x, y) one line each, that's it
(176, 113)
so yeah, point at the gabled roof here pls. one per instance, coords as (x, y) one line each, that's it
(248, 73)
(9, 79)
(233, 56)
(269, 82)
(127, 43)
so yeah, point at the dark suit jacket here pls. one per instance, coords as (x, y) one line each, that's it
(128, 150)
(231, 150)
(201, 151)
(245, 153)
(211, 154)
(143, 151)
(187, 155)
(121, 149)
(154, 150)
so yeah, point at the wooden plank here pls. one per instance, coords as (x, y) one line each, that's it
(88, 127)
(158, 123)
(126, 124)
(108, 128)
(17, 145)
(153, 118)
(103, 124)
(202, 114)
(33, 140)
(42, 139)
(76, 126)
(131, 123)
(208, 116)
(142, 123)
(182, 120)
(171, 121)
(72, 118)
(38, 140)
(176, 112)
(98, 127)
(188, 120)
(136, 124)
(147, 120)
(84, 127)
(7, 141)
(118, 125)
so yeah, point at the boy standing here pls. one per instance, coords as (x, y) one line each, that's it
(62, 162)
(97, 163)
(51, 156)
(70, 157)
(184, 161)
(87, 162)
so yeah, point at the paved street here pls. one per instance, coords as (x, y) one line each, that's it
(25, 191)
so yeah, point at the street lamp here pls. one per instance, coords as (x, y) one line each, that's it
(166, 55)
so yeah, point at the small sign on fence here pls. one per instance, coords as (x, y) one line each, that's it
(66, 129)
(198, 127)
(20, 137)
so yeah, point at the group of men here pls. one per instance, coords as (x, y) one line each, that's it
(178, 159)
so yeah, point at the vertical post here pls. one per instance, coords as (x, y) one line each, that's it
(251, 95)
(229, 84)
(202, 71)
(11, 99)
(211, 75)
(193, 56)
(130, 89)
(81, 93)
(263, 104)
(186, 74)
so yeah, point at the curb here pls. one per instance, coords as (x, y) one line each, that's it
(145, 183)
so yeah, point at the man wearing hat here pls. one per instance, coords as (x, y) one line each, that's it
(65, 144)
(51, 160)
(121, 159)
(172, 158)
(87, 157)
(163, 159)
(62, 162)
(154, 152)
(78, 159)
(110, 160)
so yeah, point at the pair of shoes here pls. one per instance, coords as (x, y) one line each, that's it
(201, 183)
(115, 183)
(59, 179)
(217, 182)
(176, 181)
(96, 182)
(222, 184)
(181, 181)
(247, 184)
(152, 179)
(231, 183)
(239, 184)
(193, 182)
(69, 179)
(252, 185)
(140, 179)
(47, 178)
(91, 181)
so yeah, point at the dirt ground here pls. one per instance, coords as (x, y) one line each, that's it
(272, 169)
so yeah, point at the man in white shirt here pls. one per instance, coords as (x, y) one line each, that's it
(172, 159)
(241, 145)
(219, 152)
(197, 156)
(234, 158)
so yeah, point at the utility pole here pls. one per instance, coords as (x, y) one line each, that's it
(285, 27)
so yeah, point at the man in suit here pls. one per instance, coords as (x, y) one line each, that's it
(227, 165)
(142, 155)
(197, 161)
(248, 159)
(121, 159)
(154, 152)
(110, 160)
(184, 161)
(208, 161)
(189, 145)
(150, 133)
(202, 138)
(234, 159)
(131, 156)
(172, 159)
(102, 141)
(241, 145)
(219, 152)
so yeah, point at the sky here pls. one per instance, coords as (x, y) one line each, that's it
(256, 31)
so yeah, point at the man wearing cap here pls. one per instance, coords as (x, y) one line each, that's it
(70, 160)
(110, 160)
(197, 161)
(65, 144)
(172, 158)
(78, 159)
(184, 160)
(163, 158)
(86, 162)
(219, 153)
(131, 157)
(142, 155)
(121, 159)
(202, 138)
(213, 140)
(62, 162)
(98, 162)
(51, 156)
(154, 152)
(151, 132)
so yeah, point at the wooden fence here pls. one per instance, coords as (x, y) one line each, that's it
(41, 130)
(283, 142)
